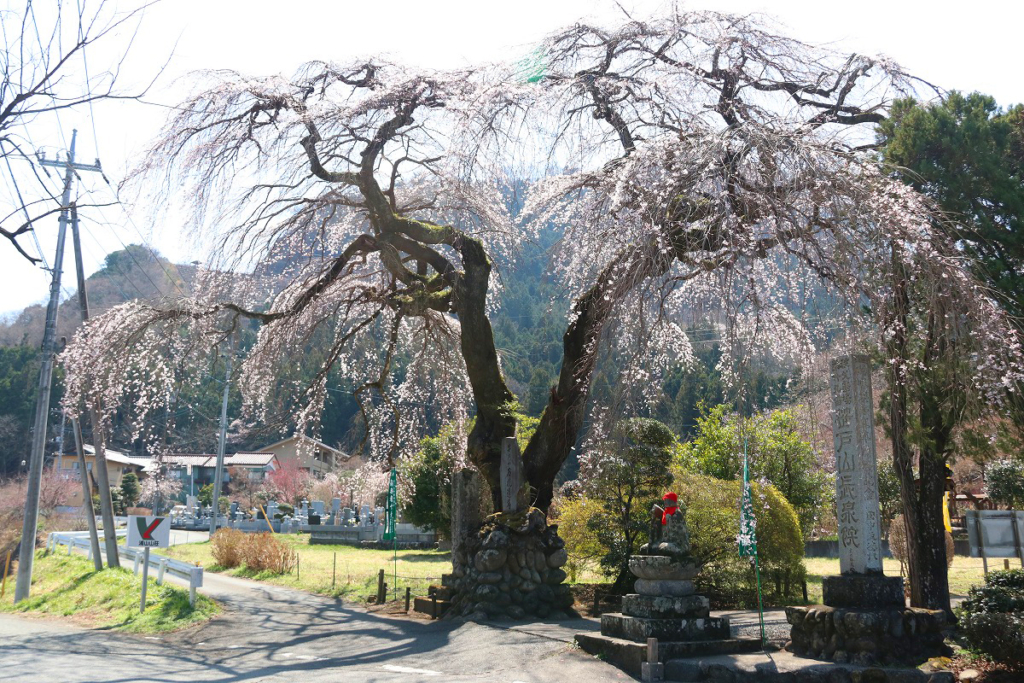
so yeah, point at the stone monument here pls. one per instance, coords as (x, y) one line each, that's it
(665, 606)
(864, 619)
(511, 474)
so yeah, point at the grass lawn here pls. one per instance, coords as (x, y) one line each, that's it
(965, 572)
(355, 577)
(69, 586)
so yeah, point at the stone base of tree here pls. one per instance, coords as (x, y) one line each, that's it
(510, 568)
(894, 635)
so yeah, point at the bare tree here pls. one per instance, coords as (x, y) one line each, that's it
(42, 71)
(699, 162)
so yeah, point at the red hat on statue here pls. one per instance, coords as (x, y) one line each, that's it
(670, 499)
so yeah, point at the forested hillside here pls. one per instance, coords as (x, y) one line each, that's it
(528, 337)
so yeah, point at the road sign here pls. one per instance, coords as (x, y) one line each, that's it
(148, 532)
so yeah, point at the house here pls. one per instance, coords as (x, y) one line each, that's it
(196, 470)
(313, 456)
(118, 464)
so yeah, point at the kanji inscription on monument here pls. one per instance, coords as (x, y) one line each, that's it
(853, 429)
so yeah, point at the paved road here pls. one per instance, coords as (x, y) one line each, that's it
(268, 633)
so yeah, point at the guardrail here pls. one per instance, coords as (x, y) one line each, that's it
(183, 570)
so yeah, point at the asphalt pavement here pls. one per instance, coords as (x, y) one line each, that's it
(269, 634)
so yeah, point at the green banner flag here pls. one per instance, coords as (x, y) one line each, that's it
(391, 511)
(531, 69)
(747, 538)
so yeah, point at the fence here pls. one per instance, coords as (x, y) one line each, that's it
(183, 570)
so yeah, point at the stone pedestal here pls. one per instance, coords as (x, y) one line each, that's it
(863, 591)
(665, 607)
(894, 635)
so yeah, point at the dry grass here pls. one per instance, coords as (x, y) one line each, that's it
(964, 573)
(265, 553)
(226, 546)
(260, 553)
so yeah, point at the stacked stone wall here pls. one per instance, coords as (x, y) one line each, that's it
(907, 635)
(511, 567)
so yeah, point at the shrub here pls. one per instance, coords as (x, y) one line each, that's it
(624, 475)
(992, 618)
(265, 553)
(1004, 481)
(227, 547)
(581, 542)
(714, 520)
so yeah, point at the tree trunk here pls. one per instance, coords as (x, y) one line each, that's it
(922, 504)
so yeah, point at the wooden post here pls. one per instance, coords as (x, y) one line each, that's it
(1006, 565)
(7, 568)
(433, 605)
(981, 541)
(298, 567)
(380, 587)
(408, 597)
(597, 604)
(1016, 540)
(652, 650)
(334, 571)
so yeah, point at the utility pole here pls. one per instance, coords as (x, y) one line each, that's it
(30, 524)
(95, 415)
(83, 306)
(218, 475)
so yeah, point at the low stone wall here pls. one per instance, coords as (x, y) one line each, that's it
(899, 635)
(511, 567)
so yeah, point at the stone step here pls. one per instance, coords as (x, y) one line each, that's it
(784, 667)
(441, 592)
(426, 606)
(639, 629)
(628, 655)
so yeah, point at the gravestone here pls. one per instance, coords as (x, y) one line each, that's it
(511, 474)
(465, 506)
(378, 516)
(318, 507)
(364, 515)
(865, 619)
(335, 506)
(346, 515)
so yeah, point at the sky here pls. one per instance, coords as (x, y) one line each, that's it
(956, 45)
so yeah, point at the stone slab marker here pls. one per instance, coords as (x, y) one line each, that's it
(465, 505)
(853, 429)
(511, 474)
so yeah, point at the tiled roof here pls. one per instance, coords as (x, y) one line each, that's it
(258, 459)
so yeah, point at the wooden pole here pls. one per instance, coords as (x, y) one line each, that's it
(7, 568)
(334, 571)
(981, 541)
(380, 587)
